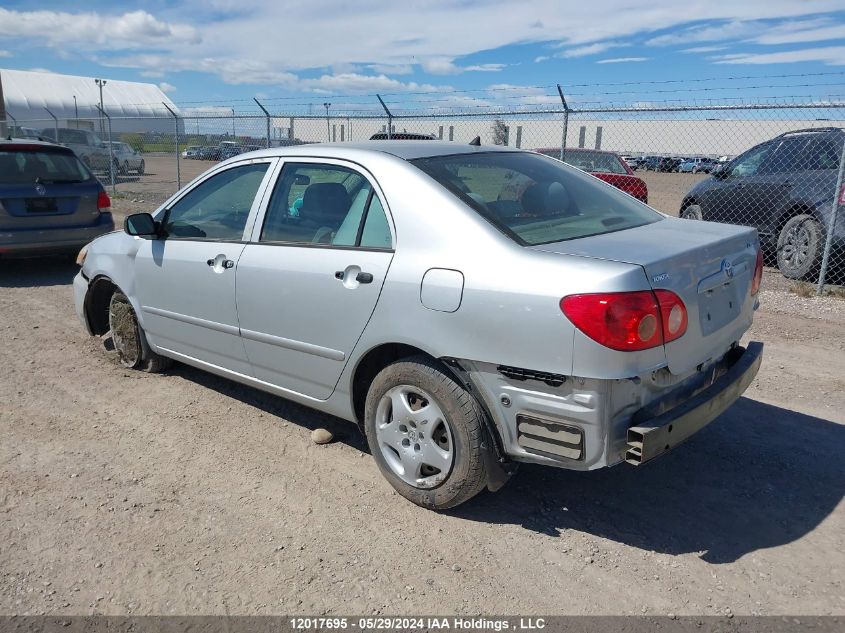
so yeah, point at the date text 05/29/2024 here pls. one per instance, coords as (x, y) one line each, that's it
(411, 623)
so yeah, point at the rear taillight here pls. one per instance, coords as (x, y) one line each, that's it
(103, 202)
(758, 273)
(673, 313)
(628, 321)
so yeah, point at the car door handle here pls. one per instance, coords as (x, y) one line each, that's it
(226, 263)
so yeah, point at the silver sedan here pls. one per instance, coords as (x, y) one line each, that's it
(468, 307)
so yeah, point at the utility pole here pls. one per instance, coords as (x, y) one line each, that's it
(101, 83)
(233, 123)
(75, 112)
(328, 105)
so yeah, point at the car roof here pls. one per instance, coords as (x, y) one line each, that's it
(32, 143)
(406, 150)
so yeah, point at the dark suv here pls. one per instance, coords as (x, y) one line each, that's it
(785, 188)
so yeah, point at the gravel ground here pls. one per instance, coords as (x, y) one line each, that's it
(122, 492)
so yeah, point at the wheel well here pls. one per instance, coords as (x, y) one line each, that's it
(686, 203)
(370, 365)
(97, 304)
(798, 209)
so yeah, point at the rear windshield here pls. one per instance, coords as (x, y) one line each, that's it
(595, 161)
(26, 166)
(534, 199)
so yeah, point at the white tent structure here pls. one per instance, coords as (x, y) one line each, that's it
(37, 100)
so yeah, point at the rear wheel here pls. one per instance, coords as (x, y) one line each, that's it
(127, 337)
(426, 433)
(800, 247)
(692, 212)
(141, 169)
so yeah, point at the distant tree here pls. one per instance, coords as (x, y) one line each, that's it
(500, 132)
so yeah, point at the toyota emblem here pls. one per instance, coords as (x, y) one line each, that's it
(40, 189)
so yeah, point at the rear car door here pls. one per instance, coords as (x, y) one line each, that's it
(309, 280)
(769, 191)
(185, 281)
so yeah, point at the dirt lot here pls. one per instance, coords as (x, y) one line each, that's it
(122, 492)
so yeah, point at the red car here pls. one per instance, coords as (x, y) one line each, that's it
(607, 166)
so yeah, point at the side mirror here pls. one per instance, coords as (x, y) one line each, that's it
(141, 224)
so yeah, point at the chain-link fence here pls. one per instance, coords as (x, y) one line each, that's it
(775, 166)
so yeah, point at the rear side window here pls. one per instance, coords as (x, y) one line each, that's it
(824, 154)
(536, 200)
(24, 167)
(325, 204)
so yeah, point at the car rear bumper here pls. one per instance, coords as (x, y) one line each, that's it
(52, 240)
(655, 436)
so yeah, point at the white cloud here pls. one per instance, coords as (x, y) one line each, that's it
(92, 31)
(541, 58)
(622, 60)
(392, 69)
(486, 68)
(166, 87)
(591, 49)
(830, 55)
(5, 53)
(777, 36)
(40, 69)
(357, 83)
(440, 66)
(704, 49)
(152, 74)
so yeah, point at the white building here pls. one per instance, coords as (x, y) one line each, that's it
(39, 100)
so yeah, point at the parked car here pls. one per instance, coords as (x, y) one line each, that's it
(191, 152)
(403, 287)
(49, 201)
(632, 161)
(607, 166)
(90, 149)
(127, 159)
(402, 136)
(695, 165)
(228, 151)
(785, 188)
(651, 163)
(207, 152)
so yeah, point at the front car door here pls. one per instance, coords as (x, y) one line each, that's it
(727, 200)
(309, 280)
(185, 281)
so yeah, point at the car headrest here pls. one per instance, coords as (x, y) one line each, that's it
(326, 203)
(547, 198)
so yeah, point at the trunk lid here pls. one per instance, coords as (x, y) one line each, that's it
(708, 265)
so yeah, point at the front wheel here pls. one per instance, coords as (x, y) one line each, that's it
(800, 247)
(127, 337)
(426, 433)
(141, 169)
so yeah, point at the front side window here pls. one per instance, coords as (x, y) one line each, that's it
(535, 200)
(217, 208)
(749, 163)
(789, 156)
(325, 204)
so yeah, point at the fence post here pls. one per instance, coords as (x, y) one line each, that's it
(266, 114)
(103, 113)
(176, 123)
(565, 123)
(55, 123)
(389, 118)
(832, 224)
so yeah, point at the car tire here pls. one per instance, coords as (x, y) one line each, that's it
(692, 212)
(128, 338)
(125, 168)
(141, 168)
(800, 245)
(432, 450)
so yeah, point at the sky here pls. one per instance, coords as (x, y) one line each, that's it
(433, 54)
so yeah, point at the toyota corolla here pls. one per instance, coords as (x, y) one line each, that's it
(468, 307)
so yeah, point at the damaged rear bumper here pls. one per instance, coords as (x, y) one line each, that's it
(651, 436)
